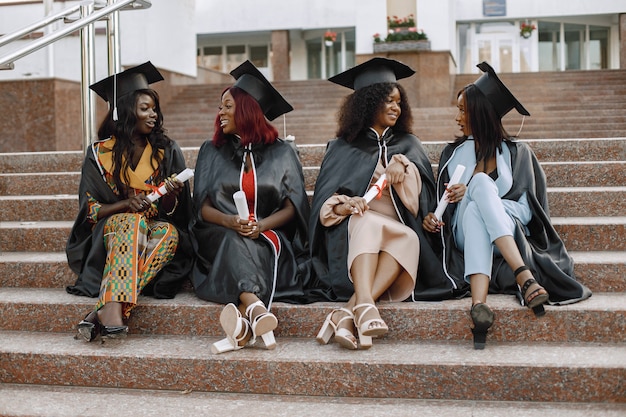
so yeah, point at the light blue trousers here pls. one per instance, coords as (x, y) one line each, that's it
(483, 220)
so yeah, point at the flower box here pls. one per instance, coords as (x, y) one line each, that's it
(401, 46)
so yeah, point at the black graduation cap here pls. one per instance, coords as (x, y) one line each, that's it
(376, 70)
(250, 80)
(496, 92)
(125, 82)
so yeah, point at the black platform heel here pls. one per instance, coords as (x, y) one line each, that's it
(536, 303)
(483, 317)
(114, 332)
(89, 328)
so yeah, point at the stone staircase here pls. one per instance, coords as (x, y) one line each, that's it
(570, 362)
(571, 104)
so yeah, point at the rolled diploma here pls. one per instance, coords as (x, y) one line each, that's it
(241, 204)
(375, 189)
(182, 176)
(443, 203)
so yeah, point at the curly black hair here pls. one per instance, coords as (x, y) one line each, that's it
(359, 109)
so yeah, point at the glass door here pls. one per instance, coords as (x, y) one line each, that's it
(498, 50)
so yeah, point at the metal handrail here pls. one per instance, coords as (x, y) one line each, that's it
(10, 37)
(87, 39)
(8, 60)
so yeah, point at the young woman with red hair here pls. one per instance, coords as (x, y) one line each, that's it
(247, 262)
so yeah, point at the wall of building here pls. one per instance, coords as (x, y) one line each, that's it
(368, 16)
(472, 10)
(165, 34)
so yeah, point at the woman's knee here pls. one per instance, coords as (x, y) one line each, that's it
(481, 183)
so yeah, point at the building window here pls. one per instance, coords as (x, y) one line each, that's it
(235, 55)
(325, 60)
(259, 56)
(210, 57)
(566, 46)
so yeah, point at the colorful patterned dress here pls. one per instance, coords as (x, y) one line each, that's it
(137, 245)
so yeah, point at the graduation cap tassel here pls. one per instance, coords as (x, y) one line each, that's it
(521, 126)
(115, 118)
(284, 126)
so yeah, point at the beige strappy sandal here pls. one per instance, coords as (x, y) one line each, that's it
(262, 325)
(343, 336)
(236, 327)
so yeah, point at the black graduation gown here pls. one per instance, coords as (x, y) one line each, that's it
(228, 264)
(542, 249)
(347, 169)
(85, 250)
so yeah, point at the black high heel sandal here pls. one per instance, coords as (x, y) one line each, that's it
(538, 300)
(114, 332)
(483, 317)
(89, 328)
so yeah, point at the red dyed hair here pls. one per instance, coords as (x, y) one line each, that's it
(252, 126)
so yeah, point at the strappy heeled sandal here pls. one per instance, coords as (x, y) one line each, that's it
(363, 328)
(262, 324)
(482, 317)
(237, 330)
(534, 299)
(343, 336)
(89, 327)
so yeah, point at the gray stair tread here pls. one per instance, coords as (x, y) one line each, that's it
(598, 302)
(290, 350)
(579, 257)
(555, 220)
(620, 220)
(59, 401)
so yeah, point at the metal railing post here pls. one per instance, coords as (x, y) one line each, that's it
(113, 41)
(88, 65)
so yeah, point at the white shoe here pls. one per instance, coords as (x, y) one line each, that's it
(236, 328)
(263, 324)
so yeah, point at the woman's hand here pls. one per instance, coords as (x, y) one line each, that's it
(139, 203)
(431, 224)
(249, 228)
(455, 192)
(396, 171)
(173, 186)
(350, 205)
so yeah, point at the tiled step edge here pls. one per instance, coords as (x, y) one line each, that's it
(600, 318)
(424, 370)
(36, 401)
(600, 270)
(578, 234)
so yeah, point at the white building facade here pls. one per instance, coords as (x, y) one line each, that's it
(184, 35)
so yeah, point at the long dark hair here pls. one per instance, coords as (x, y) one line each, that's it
(252, 126)
(124, 129)
(484, 122)
(359, 109)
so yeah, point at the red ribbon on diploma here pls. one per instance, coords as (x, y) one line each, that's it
(380, 189)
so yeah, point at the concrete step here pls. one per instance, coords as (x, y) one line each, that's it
(559, 174)
(578, 234)
(563, 202)
(547, 150)
(600, 271)
(413, 369)
(38, 400)
(599, 319)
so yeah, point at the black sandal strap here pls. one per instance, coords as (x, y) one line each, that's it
(520, 270)
(527, 284)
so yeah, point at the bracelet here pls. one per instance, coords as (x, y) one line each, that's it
(169, 213)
